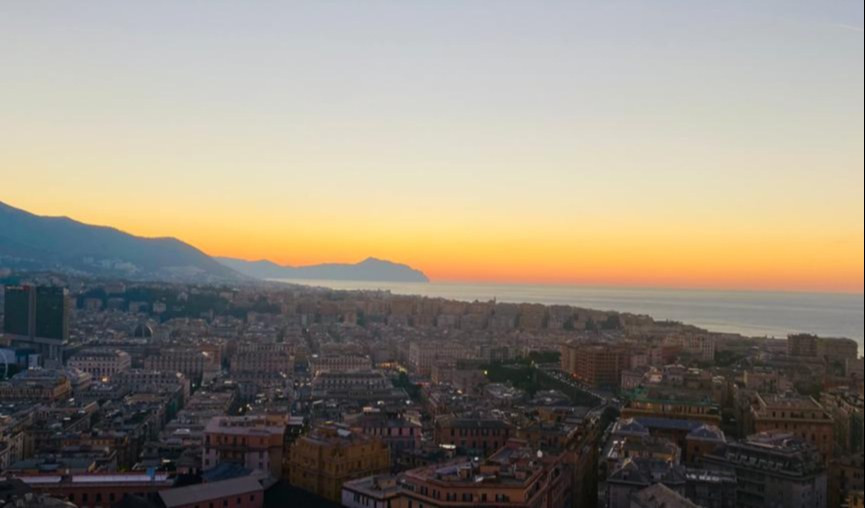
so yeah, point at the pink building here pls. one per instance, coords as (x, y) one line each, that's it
(254, 442)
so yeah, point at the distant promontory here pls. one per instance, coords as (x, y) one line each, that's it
(370, 269)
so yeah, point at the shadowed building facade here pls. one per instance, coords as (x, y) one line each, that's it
(37, 317)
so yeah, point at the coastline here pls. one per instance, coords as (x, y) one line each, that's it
(748, 313)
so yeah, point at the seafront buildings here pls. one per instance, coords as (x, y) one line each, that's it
(162, 394)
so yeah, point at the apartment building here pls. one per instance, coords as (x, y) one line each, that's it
(474, 433)
(254, 442)
(516, 476)
(774, 469)
(101, 363)
(801, 416)
(340, 363)
(597, 365)
(192, 362)
(330, 455)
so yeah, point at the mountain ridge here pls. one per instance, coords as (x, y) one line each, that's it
(39, 242)
(370, 269)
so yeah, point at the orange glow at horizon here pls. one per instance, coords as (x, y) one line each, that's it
(679, 256)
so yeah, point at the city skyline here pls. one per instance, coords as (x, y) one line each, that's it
(675, 145)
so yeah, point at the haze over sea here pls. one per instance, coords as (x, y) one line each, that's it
(751, 313)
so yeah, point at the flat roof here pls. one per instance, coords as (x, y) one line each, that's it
(206, 491)
(142, 478)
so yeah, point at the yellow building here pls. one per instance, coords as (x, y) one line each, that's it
(517, 475)
(331, 454)
(802, 416)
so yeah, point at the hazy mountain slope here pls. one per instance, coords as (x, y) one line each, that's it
(38, 242)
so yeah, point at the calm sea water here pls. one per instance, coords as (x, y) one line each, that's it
(753, 313)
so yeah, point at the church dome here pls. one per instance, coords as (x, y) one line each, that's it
(142, 331)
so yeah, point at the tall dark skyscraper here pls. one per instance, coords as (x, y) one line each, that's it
(52, 313)
(37, 317)
(16, 310)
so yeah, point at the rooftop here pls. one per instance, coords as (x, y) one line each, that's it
(100, 478)
(378, 486)
(789, 401)
(668, 423)
(707, 433)
(660, 496)
(243, 425)
(515, 464)
(208, 491)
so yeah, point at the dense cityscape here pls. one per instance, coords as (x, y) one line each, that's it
(124, 393)
(432, 254)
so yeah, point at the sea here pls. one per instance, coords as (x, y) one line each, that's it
(750, 313)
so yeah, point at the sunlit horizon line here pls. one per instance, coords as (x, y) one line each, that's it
(564, 282)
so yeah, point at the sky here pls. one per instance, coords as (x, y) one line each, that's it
(625, 143)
